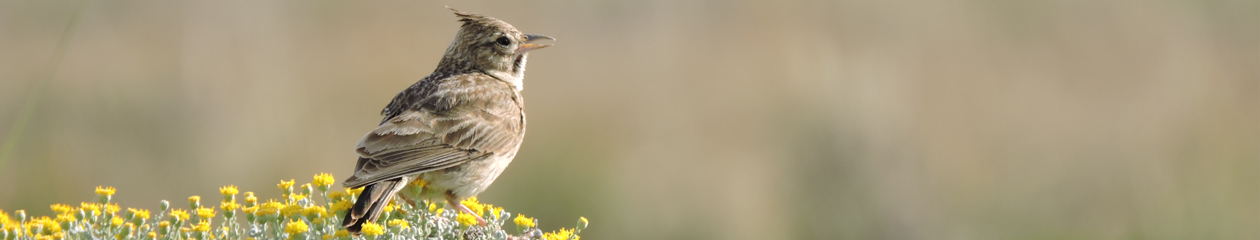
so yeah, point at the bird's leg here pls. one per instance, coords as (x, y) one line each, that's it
(408, 200)
(457, 205)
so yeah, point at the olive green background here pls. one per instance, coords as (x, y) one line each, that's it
(875, 119)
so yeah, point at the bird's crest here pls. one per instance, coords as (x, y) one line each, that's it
(473, 18)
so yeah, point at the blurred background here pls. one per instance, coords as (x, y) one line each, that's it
(859, 119)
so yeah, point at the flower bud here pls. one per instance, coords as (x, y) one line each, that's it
(286, 187)
(104, 194)
(108, 216)
(194, 202)
(250, 200)
(164, 227)
(126, 231)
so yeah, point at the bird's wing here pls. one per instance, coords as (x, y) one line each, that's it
(455, 120)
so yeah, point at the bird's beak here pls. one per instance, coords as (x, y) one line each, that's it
(529, 46)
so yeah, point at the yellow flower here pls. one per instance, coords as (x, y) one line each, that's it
(315, 212)
(133, 225)
(250, 200)
(522, 221)
(323, 180)
(179, 214)
(229, 206)
(111, 208)
(139, 213)
(62, 218)
(87, 206)
(295, 227)
(562, 234)
(434, 209)
(272, 203)
(228, 190)
(465, 219)
(354, 191)
(487, 208)
(285, 185)
(473, 205)
(46, 225)
(62, 208)
(343, 204)
(250, 210)
(399, 223)
(337, 195)
(205, 213)
(291, 210)
(202, 226)
(372, 229)
(271, 207)
(194, 202)
(104, 191)
(417, 183)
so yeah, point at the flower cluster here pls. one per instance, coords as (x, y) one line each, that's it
(312, 212)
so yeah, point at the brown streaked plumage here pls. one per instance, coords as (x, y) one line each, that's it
(456, 129)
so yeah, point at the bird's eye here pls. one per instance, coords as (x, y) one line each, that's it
(503, 41)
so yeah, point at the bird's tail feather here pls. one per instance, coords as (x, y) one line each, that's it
(371, 201)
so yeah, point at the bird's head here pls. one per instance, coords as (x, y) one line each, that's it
(491, 46)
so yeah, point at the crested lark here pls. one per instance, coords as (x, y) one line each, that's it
(456, 129)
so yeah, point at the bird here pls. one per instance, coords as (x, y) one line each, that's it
(455, 130)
